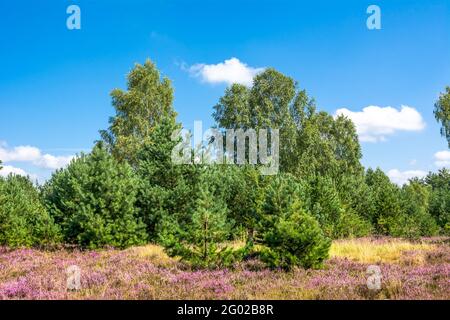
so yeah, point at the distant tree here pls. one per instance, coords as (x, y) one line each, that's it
(439, 202)
(310, 142)
(245, 198)
(148, 99)
(93, 200)
(442, 113)
(356, 196)
(387, 200)
(326, 205)
(351, 225)
(24, 220)
(337, 219)
(326, 146)
(415, 220)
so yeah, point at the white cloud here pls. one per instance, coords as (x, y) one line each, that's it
(374, 123)
(6, 170)
(34, 156)
(22, 153)
(51, 162)
(401, 177)
(230, 71)
(442, 158)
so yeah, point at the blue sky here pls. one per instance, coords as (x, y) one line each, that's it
(55, 82)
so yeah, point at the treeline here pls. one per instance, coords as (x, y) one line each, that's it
(127, 191)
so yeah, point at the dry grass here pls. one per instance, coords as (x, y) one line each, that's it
(155, 254)
(373, 251)
(359, 250)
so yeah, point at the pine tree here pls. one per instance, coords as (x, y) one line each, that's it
(93, 200)
(164, 187)
(209, 226)
(326, 205)
(288, 234)
(24, 220)
(201, 241)
(294, 239)
(387, 200)
(415, 220)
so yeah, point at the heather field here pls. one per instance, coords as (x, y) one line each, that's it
(409, 270)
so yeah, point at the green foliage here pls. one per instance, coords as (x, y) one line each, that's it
(326, 205)
(24, 220)
(288, 234)
(351, 225)
(310, 143)
(279, 193)
(336, 218)
(238, 187)
(164, 187)
(401, 212)
(415, 221)
(294, 239)
(148, 99)
(387, 200)
(439, 202)
(356, 195)
(245, 197)
(442, 113)
(93, 200)
(201, 241)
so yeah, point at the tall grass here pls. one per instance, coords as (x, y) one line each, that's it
(368, 250)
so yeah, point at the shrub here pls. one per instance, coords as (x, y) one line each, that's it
(24, 220)
(295, 239)
(93, 201)
(439, 202)
(199, 242)
(288, 234)
(412, 226)
(352, 225)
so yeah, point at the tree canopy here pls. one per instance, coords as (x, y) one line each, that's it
(442, 113)
(147, 100)
(310, 142)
